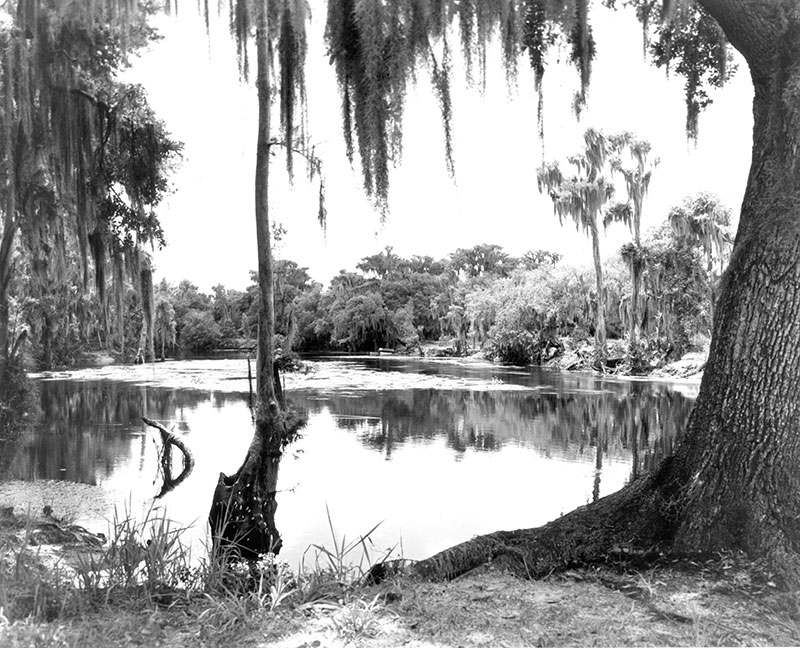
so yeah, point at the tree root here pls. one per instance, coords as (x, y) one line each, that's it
(629, 522)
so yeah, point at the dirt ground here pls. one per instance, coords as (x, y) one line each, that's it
(719, 602)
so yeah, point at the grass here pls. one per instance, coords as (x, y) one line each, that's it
(144, 587)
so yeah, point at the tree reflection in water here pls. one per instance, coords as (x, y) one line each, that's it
(85, 428)
(636, 420)
(91, 431)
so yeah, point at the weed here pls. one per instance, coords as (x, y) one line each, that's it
(355, 618)
(335, 568)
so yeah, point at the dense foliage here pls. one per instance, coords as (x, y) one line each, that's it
(481, 299)
(85, 164)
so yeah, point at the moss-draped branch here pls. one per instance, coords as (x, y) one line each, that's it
(376, 48)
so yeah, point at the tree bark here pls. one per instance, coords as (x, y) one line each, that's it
(600, 317)
(732, 482)
(6, 245)
(742, 448)
(242, 514)
(148, 308)
(6, 249)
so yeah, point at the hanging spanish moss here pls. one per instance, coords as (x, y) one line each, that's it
(286, 20)
(694, 46)
(377, 47)
(292, 48)
(370, 49)
(240, 28)
(510, 39)
(466, 28)
(535, 41)
(582, 52)
(441, 82)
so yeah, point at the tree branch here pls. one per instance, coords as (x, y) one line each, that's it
(168, 439)
(752, 27)
(309, 157)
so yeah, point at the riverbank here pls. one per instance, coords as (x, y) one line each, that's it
(726, 600)
(575, 355)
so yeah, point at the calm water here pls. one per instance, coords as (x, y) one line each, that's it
(465, 454)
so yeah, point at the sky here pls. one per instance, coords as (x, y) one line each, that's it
(194, 86)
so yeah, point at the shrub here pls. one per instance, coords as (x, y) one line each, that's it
(200, 332)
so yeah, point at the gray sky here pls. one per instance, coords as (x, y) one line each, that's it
(194, 86)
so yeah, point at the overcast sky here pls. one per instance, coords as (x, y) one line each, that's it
(194, 86)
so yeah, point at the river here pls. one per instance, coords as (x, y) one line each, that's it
(435, 451)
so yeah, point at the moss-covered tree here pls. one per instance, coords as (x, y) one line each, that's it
(84, 158)
(630, 161)
(703, 220)
(582, 197)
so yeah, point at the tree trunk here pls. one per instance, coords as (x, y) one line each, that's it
(636, 266)
(732, 481)
(6, 250)
(242, 514)
(600, 316)
(742, 448)
(148, 308)
(6, 245)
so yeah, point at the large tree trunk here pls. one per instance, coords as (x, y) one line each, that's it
(733, 480)
(742, 451)
(242, 514)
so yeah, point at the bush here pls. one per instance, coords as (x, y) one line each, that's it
(200, 332)
(515, 347)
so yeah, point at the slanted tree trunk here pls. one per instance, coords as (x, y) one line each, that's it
(242, 514)
(733, 480)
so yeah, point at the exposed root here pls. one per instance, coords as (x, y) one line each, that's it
(629, 520)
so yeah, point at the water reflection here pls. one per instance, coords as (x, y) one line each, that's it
(424, 460)
(635, 419)
(85, 429)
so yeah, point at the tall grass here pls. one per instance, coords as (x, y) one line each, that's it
(145, 557)
(146, 563)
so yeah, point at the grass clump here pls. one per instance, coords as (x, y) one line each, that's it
(145, 577)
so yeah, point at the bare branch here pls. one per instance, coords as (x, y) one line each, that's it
(168, 439)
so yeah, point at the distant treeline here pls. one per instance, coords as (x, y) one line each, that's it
(514, 309)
